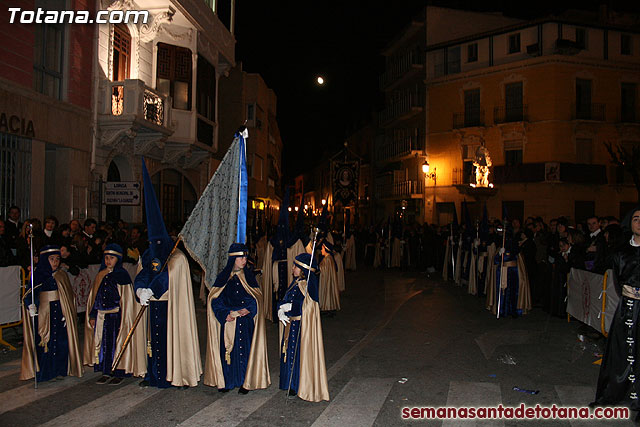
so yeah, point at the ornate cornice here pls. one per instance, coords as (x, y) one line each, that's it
(149, 31)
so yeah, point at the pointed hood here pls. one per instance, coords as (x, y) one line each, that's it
(160, 243)
(299, 230)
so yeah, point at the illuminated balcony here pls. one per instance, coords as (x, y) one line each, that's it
(133, 117)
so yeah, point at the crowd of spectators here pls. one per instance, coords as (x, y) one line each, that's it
(549, 251)
(81, 243)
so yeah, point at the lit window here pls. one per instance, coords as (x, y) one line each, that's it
(174, 74)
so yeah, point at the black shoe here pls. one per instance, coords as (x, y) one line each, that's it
(183, 387)
(223, 390)
(292, 393)
(103, 379)
(144, 383)
(115, 381)
(243, 390)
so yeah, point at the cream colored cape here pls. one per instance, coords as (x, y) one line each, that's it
(134, 359)
(266, 285)
(377, 256)
(329, 294)
(257, 374)
(340, 273)
(296, 249)
(313, 386)
(184, 366)
(68, 305)
(524, 290)
(396, 252)
(350, 254)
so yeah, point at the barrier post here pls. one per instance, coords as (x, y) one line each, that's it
(19, 322)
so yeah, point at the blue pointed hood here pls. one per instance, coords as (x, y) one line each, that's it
(160, 243)
(298, 229)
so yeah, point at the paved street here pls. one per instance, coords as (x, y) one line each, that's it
(401, 339)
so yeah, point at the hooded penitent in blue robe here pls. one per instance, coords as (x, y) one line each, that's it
(107, 298)
(302, 364)
(233, 298)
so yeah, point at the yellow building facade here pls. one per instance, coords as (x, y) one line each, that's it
(543, 97)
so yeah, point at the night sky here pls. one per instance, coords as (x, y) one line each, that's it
(291, 42)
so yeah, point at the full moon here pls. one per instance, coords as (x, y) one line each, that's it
(320, 80)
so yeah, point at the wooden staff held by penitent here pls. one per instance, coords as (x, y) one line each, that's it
(140, 313)
(504, 235)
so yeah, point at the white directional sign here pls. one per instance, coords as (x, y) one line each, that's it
(122, 193)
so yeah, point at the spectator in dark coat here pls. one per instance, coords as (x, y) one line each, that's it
(6, 256)
(13, 226)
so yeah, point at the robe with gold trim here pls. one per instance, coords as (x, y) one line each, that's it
(112, 305)
(236, 350)
(56, 335)
(329, 292)
(302, 363)
(173, 350)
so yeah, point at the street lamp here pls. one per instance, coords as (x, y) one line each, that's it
(425, 170)
(296, 209)
(324, 202)
(428, 175)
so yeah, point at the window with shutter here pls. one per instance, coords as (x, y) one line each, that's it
(121, 53)
(173, 74)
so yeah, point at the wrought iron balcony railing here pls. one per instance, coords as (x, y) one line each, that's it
(596, 112)
(512, 114)
(628, 115)
(469, 118)
(400, 189)
(133, 98)
(399, 146)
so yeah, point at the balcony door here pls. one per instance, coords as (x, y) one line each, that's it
(583, 99)
(472, 107)
(513, 102)
(121, 53)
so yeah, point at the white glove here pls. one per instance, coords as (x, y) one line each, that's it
(476, 243)
(144, 294)
(283, 317)
(32, 310)
(501, 251)
(286, 307)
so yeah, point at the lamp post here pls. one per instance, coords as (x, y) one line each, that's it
(428, 175)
